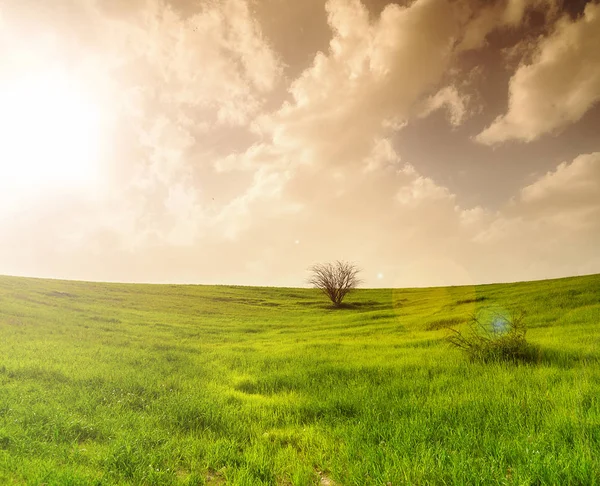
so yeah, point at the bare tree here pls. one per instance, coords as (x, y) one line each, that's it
(335, 279)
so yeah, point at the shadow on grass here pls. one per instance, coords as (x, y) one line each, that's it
(36, 373)
(563, 358)
(444, 323)
(537, 356)
(479, 298)
(368, 305)
(57, 293)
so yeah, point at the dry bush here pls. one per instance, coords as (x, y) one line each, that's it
(335, 279)
(499, 338)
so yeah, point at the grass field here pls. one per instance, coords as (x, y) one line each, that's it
(166, 384)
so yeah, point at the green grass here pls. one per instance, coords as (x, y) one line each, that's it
(165, 384)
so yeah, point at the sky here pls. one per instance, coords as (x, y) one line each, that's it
(430, 142)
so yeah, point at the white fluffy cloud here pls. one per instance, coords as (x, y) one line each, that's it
(558, 87)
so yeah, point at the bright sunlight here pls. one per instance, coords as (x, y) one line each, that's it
(49, 133)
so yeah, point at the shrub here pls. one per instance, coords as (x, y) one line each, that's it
(335, 279)
(499, 338)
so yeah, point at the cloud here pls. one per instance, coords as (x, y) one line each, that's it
(189, 82)
(170, 84)
(558, 87)
(211, 180)
(215, 62)
(571, 193)
(344, 106)
(449, 98)
(347, 98)
(553, 227)
(422, 189)
(480, 22)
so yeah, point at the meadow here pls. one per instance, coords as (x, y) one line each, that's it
(104, 384)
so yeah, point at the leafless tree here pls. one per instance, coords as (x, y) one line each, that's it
(335, 279)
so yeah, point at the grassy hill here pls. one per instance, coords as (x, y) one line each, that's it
(169, 384)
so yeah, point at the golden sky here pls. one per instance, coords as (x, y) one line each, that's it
(432, 142)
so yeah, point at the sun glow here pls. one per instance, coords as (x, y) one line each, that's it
(50, 132)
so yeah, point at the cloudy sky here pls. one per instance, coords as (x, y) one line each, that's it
(432, 142)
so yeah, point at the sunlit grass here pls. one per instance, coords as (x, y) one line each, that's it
(140, 384)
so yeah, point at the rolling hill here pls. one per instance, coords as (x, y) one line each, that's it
(180, 384)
